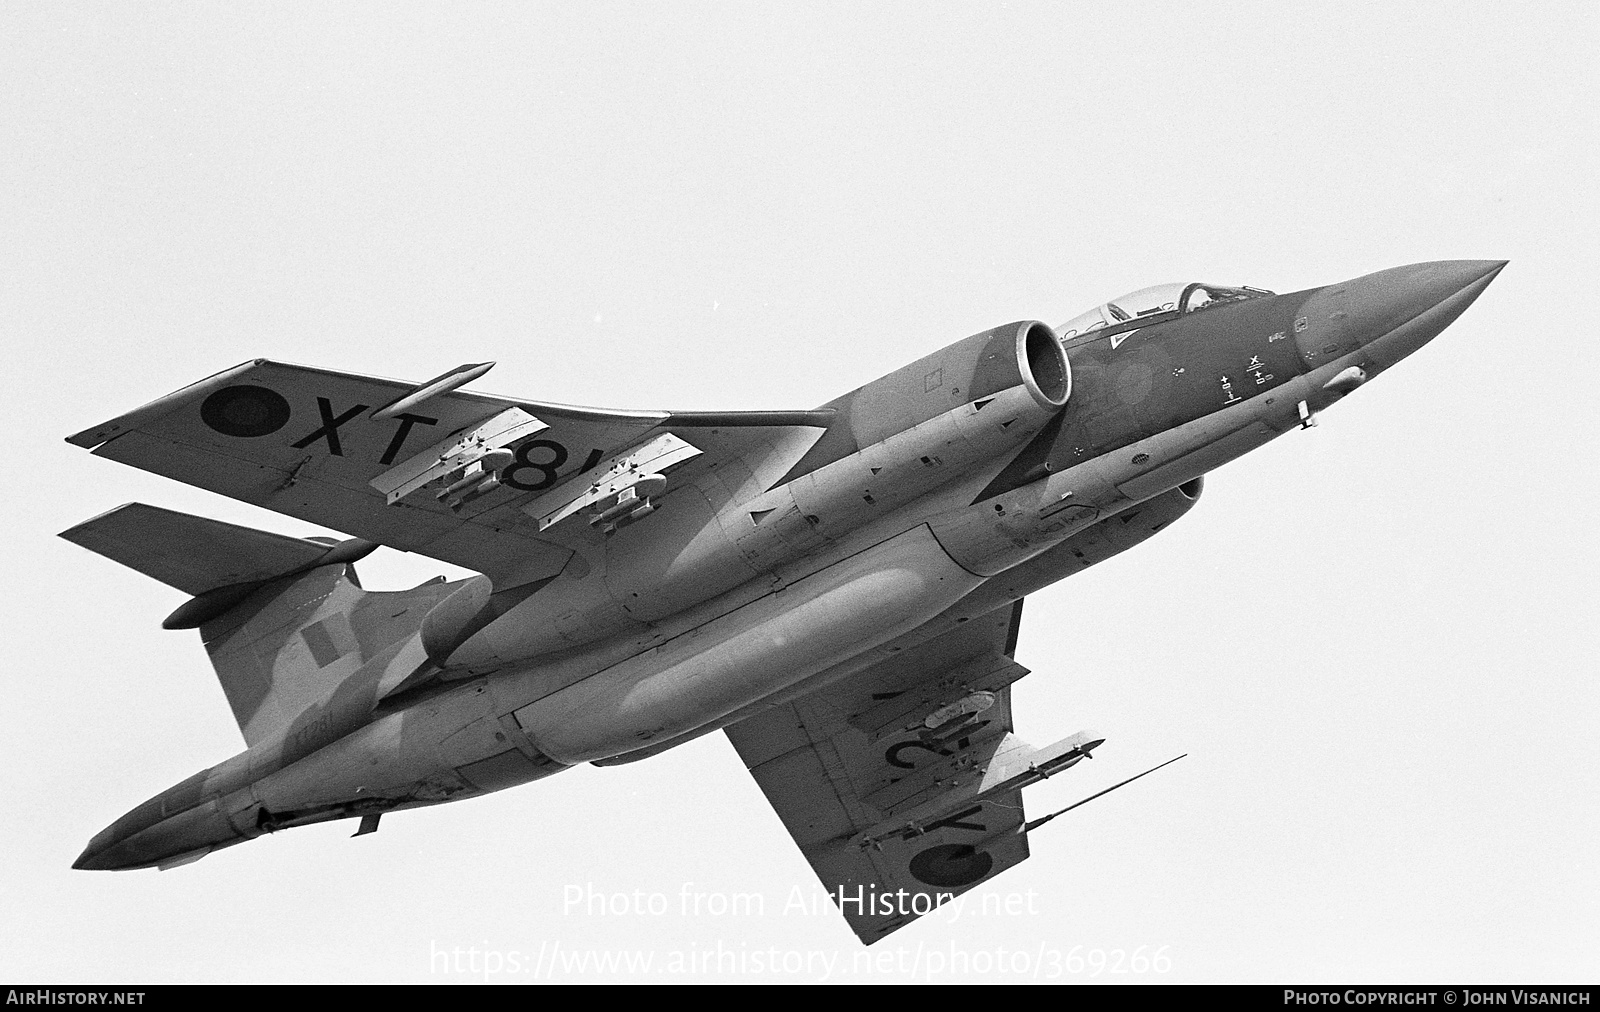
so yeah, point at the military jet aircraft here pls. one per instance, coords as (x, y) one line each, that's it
(839, 589)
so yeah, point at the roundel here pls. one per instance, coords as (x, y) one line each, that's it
(951, 864)
(245, 411)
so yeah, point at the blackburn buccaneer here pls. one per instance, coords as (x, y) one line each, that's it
(839, 590)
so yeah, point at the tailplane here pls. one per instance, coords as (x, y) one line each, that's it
(193, 554)
(284, 619)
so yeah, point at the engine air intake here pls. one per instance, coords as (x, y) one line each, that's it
(1043, 364)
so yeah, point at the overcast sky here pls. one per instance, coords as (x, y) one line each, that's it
(1375, 639)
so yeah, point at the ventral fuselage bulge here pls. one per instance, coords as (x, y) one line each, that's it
(838, 589)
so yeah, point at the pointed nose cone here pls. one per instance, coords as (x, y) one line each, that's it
(1413, 289)
(94, 856)
(1397, 311)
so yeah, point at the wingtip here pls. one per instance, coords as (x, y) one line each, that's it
(96, 518)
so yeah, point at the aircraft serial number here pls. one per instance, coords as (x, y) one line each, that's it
(526, 473)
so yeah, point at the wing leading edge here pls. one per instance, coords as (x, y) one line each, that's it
(902, 785)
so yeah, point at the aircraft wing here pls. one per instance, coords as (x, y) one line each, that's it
(354, 453)
(903, 784)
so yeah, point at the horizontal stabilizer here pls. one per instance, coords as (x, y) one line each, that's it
(191, 553)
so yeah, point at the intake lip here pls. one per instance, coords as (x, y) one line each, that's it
(1043, 363)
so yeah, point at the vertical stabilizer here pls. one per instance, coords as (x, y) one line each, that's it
(284, 619)
(289, 655)
(286, 649)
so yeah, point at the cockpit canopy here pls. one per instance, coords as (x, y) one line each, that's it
(1157, 300)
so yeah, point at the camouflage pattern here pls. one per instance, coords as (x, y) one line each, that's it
(794, 579)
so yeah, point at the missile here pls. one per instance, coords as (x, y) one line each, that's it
(482, 488)
(473, 471)
(620, 510)
(633, 502)
(969, 705)
(631, 518)
(1036, 823)
(642, 487)
(460, 376)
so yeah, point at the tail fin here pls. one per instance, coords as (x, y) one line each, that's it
(285, 621)
(286, 648)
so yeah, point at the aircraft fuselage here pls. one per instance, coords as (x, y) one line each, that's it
(938, 493)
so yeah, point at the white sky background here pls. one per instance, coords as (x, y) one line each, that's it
(1374, 639)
